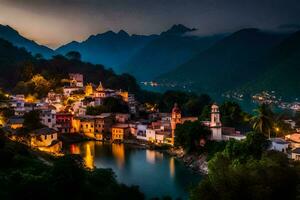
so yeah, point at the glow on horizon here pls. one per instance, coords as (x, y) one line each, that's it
(57, 22)
(32, 26)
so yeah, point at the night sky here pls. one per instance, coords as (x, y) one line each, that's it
(55, 22)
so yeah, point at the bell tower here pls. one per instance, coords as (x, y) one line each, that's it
(215, 123)
(175, 119)
(100, 87)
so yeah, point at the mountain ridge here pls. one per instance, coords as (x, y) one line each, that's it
(108, 48)
(13, 36)
(230, 62)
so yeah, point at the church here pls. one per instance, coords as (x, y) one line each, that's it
(214, 124)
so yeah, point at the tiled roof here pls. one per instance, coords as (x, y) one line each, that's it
(297, 151)
(44, 131)
(279, 140)
(15, 120)
(120, 126)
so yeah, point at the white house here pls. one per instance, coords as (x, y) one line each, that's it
(48, 118)
(296, 154)
(133, 128)
(76, 79)
(122, 117)
(141, 132)
(82, 111)
(291, 122)
(19, 106)
(160, 137)
(150, 135)
(68, 90)
(235, 136)
(279, 144)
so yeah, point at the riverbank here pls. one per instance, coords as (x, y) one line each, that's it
(193, 161)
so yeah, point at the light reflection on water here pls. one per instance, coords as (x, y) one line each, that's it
(89, 155)
(118, 152)
(172, 167)
(156, 173)
(153, 156)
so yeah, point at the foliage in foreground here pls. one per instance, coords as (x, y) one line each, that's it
(23, 176)
(245, 170)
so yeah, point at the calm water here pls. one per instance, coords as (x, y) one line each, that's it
(156, 173)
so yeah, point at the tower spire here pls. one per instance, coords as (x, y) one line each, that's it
(100, 87)
(175, 119)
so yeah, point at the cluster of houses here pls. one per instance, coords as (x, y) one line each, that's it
(65, 113)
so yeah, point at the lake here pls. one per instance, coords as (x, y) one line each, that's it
(157, 173)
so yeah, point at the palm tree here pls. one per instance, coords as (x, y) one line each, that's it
(263, 120)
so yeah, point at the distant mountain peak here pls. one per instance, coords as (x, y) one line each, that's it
(107, 33)
(74, 42)
(249, 30)
(178, 29)
(100, 35)
(123, 33)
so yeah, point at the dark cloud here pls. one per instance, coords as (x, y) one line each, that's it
(288, 27)
(59, 21)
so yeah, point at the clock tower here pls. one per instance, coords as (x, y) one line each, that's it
(215, 123)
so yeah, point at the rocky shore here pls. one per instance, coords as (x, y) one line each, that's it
(195, 162)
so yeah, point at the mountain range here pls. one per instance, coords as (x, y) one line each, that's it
(145, 56)
(247, 61)
(170, 49)
(110, 49)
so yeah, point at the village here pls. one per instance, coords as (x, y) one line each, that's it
(70, 119)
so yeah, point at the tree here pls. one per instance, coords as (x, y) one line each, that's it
(205, 114)
(38, 56)
(115, 105)
(3, 97)
(271, 177)
(281, 128)
(188, 135)
(27, 71)
(73, 55)
(191, 104)
(246, 170)
(263, 120)
(124, 82)
(109, 105)
(169, 98)
(232, 114)
(23, 175)
(41, 86)
(194, 106)
(252, 147)
(37, 85)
